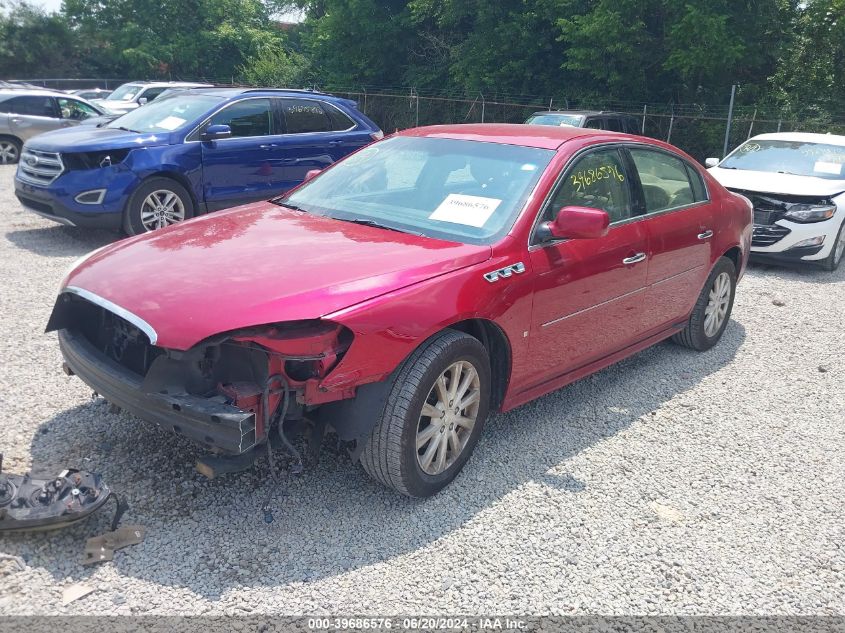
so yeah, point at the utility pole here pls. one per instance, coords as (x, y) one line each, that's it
(730, 120)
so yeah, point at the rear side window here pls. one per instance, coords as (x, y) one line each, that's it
(251, 117)
(665, 180)
(304, 115)
(152, 93)
(614, 124)
(340, 121)
(594, 124)
(31, 106)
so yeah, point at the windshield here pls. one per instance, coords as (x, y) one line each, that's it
(574, 120)
(166, 115)
(463, 191)
(789, 157)
(124, 93)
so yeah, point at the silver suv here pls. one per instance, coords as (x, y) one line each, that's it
(26, 112)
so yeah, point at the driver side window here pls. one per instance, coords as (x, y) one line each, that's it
(597, 180)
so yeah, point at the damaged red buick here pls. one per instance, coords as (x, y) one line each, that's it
(401, 295)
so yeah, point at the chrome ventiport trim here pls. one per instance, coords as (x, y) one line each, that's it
(507, 271)
(135, 320)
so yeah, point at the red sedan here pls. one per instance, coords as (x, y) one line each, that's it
(404, 293)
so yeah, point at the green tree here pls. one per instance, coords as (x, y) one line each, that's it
(276, 67)
(34, 43)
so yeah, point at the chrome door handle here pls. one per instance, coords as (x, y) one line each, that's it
(16, 120)
(705, 235)
(269, 146)
(634, 259)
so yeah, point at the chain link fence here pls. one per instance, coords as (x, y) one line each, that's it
(698, 129)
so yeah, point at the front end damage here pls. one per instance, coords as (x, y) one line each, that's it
(227, 393)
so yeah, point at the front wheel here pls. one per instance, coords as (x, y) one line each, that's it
(832, 261)
(433, 417)
(712, 311)
(155, 204)
(10, 151)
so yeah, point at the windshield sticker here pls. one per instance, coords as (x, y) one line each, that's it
(528, 167)
(588, 177)
(170, 123)
(466, 210)
(750, 147)
(828, 168)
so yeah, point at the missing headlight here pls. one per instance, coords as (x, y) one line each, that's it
(94, 160)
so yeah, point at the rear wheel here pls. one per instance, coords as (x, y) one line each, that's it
(832, 261)
(712, 311)
(157, 203)
(10, 151)
(433, 417)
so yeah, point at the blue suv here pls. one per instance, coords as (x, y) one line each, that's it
(191, 153)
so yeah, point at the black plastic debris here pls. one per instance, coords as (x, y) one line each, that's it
(31, 503)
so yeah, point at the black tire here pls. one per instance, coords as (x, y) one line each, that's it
(10, 150)
(390, 454)
(831, 262)
(132, 224)
(694, 335)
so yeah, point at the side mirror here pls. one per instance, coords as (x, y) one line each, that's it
(711, 162)
(578, 223)
(311, 173)
(216, 132)
(142, 100)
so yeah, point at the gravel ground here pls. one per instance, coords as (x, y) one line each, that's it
(672, 483)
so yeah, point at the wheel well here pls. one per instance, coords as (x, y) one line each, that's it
(12, 138)
(499, 350)
(182, 181)
(735, 255)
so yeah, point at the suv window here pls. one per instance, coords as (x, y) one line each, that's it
(251, 117)
(340, 122)
(594, 124)
(614, 124)
(30, 106)
(664, 178)
(596, 180)
(152, 93)
(76, 110)
(304, 115)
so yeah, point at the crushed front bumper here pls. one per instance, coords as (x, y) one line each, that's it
(208, 421)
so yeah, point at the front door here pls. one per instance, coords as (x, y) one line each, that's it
(679, 221)
(588, 293)
(241, 168)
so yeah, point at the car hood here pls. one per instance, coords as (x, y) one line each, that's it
(90, 138)
(768, 182)
(256, 265)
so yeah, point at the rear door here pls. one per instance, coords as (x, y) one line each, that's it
(679, 220)
(241, 168)
(588, 294)
(30, 115)
(316, 135)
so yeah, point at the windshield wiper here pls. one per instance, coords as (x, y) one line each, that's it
(378, 225)
(287, 205)
(126, 129)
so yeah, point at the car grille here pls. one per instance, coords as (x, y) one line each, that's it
(39, 168)
(767, 235)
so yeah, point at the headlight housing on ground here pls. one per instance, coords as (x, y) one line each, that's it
(805, 213)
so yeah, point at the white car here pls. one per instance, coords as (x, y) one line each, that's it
(796, 182)
(134, 94)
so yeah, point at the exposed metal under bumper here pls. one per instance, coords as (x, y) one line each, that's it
(211, 423)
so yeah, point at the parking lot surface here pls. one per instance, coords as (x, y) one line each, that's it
(674, 482)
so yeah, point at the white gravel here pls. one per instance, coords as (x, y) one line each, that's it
(672, 483)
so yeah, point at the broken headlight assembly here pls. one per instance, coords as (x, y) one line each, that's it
(804, 213)
(75, 161)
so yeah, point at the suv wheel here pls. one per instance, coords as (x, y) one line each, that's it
(157, 203)
(10, 151)
(712, 311)
(433, 416)
(832, 261)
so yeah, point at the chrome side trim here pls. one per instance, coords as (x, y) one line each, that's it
(598, 305)
(137, 321)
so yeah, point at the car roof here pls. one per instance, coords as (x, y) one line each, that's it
(538, 136)
(802, 137)
(171, 84)
(580, 113)
(32, 92)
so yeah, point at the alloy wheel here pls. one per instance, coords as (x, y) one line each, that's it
(448, 417)
(717, 306)
(840, 247)
(161, 208)
(8, 153)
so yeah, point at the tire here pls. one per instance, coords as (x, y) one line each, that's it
(832, 261)
(390, 454)
(153, 195)
(10, 150)
(698, 334)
